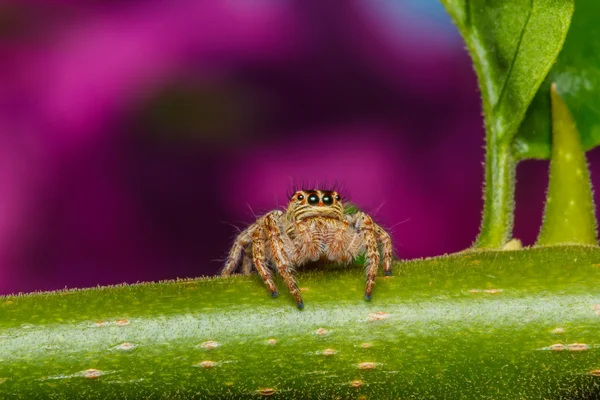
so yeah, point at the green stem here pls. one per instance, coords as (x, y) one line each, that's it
(498, 208)
(478, 325)
(569, 216)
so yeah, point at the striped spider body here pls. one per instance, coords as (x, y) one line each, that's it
(313, 227)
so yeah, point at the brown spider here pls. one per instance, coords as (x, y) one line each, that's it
(314, 227)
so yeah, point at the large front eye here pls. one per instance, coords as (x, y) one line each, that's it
(327, 200)
(313, 199)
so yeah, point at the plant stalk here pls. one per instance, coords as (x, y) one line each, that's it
(485, 325)
(498, 208)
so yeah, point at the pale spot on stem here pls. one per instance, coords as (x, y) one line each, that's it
(125, 346)
(209, 345)
(366, 365)
(488, 291)
(557, 347)
(577, 347)
(378, 316)
(328, 352)
(92, 373)
(321, 331)
(119, 322)
(493, 291)
(207, 364)
(266, 392)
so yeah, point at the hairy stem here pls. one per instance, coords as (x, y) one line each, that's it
(519, 324)
(498, 208)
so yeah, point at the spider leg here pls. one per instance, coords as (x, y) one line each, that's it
(366, 228)
(247, 261)
(280, 257)
(386, 248)
(237, 250)
(258, 257)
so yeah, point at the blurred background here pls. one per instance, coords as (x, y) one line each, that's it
(136, 135)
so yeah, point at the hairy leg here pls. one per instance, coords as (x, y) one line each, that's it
(258, 257)
(366, 227)
(307, 248)
(247, 261)
(237, 250)
(386, 248)
(278, 252)
(342, 243)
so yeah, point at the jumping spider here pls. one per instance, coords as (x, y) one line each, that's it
(314, 227)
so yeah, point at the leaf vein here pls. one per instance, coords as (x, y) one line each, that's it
(514, 60)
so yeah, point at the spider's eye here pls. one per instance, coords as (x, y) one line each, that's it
(313, 199)
(337, 197)
(300, 197)
(327, 200)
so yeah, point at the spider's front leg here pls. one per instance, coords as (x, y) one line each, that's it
(272, 227)
(367, 228)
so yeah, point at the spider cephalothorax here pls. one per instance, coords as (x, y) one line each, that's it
(313, 227)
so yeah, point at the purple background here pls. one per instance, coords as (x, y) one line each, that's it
(133, 134)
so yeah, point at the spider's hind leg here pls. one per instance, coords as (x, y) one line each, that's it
(386, 249)
(237, 251)
(247, 262)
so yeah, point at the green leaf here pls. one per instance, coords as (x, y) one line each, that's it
(513, 44)
(570, 212)
(577, 76)
(480, 325)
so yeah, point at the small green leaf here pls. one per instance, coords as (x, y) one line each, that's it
(577, 75)
(569, 216)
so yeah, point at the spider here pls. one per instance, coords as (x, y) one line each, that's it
(313, 227)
